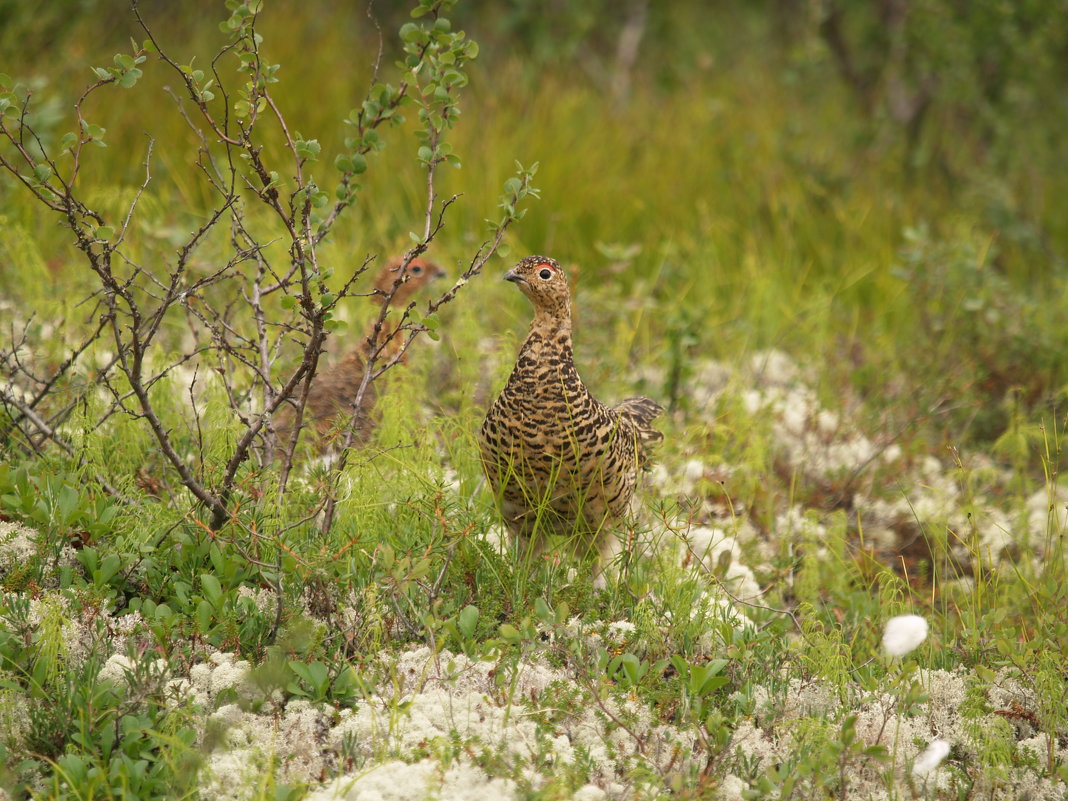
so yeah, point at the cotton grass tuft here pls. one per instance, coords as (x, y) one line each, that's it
(904, 634)
(930, 759)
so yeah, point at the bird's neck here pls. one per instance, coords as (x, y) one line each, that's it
(387, 343)
(551, 329)
(545, 368)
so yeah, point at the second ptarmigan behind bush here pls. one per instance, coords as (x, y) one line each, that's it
(333, 393)
(559, 460)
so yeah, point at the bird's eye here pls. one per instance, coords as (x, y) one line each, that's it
(416, 269)
(545, 274)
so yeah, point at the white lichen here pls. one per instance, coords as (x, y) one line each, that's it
(18, 544)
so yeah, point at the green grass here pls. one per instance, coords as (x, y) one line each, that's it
(737, 203)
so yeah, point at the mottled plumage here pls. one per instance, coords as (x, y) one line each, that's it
(559, 460)
(334, 388)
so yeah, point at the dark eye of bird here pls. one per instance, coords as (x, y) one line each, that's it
(545, 275)
(416, 269)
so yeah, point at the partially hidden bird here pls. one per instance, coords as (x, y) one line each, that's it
(333, 392)
(558, 460)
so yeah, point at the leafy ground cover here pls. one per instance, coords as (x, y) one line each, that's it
(857, 325)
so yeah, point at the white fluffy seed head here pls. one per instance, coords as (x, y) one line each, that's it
(903, 634)
(937, 750)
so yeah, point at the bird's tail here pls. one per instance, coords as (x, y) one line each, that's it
(641, 412)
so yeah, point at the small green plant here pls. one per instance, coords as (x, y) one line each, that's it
(116, 737)
(849, 752)
(697, 683)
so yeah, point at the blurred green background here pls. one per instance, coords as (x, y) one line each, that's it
(870, 186)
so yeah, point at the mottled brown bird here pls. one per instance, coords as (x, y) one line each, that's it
(334, 389)
(559, 460)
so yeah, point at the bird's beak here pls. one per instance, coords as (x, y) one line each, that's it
(513, 277)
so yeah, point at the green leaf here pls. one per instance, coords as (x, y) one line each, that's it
(42, 172)
(345, 685)
(633, 668)
(105, 232)
(109, 567)
(212, 588)
(182, 590)
(542, 610)
(219, 562)
(563, 612)
(410, 32)
(89, 559)
(307, 149)
(467, 620)
(204, 614)
(73, 768)
(93, 132)
(316, 674)
(128, 79)
(510, 633)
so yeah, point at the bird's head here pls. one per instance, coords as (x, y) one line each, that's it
(420, 272)
(541, 279)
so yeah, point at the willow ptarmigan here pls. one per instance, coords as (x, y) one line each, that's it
(333, 390)
(559, 460)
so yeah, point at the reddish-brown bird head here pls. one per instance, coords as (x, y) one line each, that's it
(544, 283)
(420, 272)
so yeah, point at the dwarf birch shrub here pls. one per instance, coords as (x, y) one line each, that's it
(195, 326)
(249, 289)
